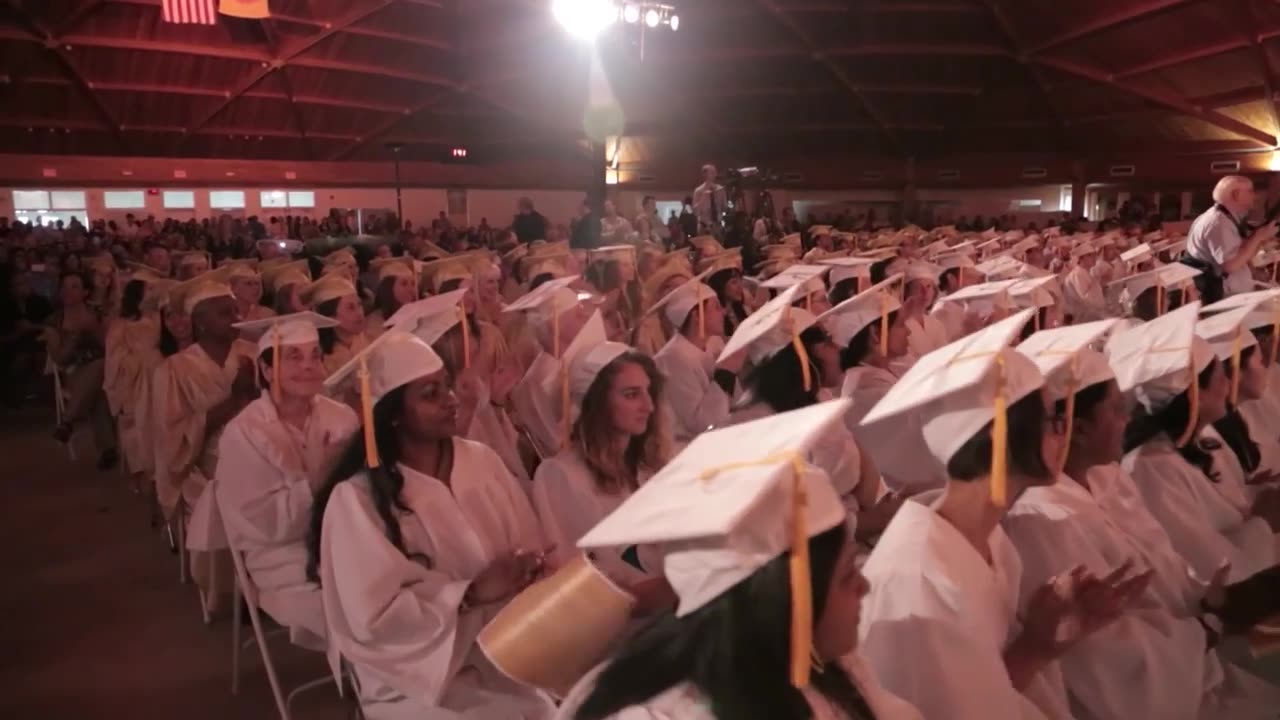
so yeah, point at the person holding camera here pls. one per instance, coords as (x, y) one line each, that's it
(1220, 243)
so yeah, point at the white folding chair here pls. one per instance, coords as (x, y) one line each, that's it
(245, 590)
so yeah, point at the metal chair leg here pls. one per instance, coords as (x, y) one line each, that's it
(236, 621)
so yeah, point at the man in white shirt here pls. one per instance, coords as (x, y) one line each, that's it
(649, 209)
(709, 201)
(1215, 237)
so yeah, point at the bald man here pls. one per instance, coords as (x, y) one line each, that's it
(1215, 239)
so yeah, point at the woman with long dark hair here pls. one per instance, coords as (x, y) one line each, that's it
(75, 339)
(726, 281)
(615, 438)
(1175, 472)
(961, 588)
(283, 284)
(740, 646)
(334, 297)
(870, 331)
(790, 358)
(397, 286)
(1091, 517)
(417, 539)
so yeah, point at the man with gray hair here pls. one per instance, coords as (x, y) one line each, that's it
(1216, 239)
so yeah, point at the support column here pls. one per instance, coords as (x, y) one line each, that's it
(1184, 209)
(1079, 190)
(910, 200)
(598, 188)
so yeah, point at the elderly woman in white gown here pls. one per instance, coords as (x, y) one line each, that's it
(423, 537)
(272, 458)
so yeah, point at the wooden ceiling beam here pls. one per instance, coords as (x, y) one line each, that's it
(366, 69)
(1172, 102)
(874, 89)
(1247, 21)
(1042, 85)
(770, 7)
(288, 55)
(1182, 56)
(391, 123)
(403, 37)
(1230, 97)
(855, 7)
(1127, 13)
(227, 52)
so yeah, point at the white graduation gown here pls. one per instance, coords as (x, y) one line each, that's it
(952, 317)
(396, 616)
(535, 410)
(1205, 528)
(936, 622)
(927, 334)
(685, 702)
(697, 402)
(1263, 417)
(266, 476)
(1084, 296)
(569, 503)
(1149, 662)
(492, 427)
(865, 385)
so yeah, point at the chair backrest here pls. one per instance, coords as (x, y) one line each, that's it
(247, 588)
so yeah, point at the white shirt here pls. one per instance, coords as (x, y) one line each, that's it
(1214, 237)
(934, 628)
(397, 616)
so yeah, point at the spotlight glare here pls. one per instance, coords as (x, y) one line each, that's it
(631, 13)
(652, 18)
(584, 19)
(675, 22)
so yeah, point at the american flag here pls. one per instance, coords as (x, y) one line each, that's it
(191, 12)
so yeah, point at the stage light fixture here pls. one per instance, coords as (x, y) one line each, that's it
(631, 13)
(652, 18)
(674, 22)
(584, 19)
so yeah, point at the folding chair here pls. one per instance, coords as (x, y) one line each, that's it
(60, 403)
(245, 590)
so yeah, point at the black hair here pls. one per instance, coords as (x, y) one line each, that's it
(950, 274)
(267, 357)
(168, 343)
(880, 270)
(384, 298)
(1172, 420)
(540, 279)
(735, 311)
(1026, 422)
(1087, 399)
(1036, 325)
(843, 290)
(385, 481)
(1232, 426)
(859, 347)
(776, 381)
(131, 300)
(1144, 306)
(328, 336)
(735, 650)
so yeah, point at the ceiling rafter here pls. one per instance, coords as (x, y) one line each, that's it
(386, 126)
(192, 90)
(286, 56)
(40, 33)
(1182, 56)
(1246, 22)
(1123, 15)
(769, 7)
(1011, 34)
(1172, 102)
(77, 17)
(273, 45)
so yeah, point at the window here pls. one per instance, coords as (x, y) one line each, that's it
(1065, 199)
(1025, 205)
(226, 199)
(46, 207)
(124, 199)
(290, 199)
(179, 200)
(30, 199)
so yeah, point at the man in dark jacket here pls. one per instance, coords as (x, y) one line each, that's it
(529, 224)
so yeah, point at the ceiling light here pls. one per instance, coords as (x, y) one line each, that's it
(584, 19)
(675, 22)
(631, 14)
(652, 18)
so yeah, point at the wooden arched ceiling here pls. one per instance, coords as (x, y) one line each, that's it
(340, 79)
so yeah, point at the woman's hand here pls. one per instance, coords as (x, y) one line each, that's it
(503, 380)
(507, 575)
(1070, 607)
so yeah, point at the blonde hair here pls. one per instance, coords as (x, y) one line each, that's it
(648, 451)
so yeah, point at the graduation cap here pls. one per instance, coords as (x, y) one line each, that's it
(1161, 359)
(717, 513)
(1228, 333)
(395, 267)
(727, 260)
(846, 268)
(956, 390)
(191, 258)
(849, 318)
(580, 364)
(430, 318)
(328, 287)
(776, 325)
(678, 303)
(190, 293)
(279, 275)
(393, 360)
(246, 268)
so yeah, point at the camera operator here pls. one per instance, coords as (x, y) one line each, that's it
(710, 202)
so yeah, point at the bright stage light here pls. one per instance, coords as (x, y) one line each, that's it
(631, 14)
(675, 22)
(652, 18)
(584, 19)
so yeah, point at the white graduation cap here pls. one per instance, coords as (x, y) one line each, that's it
(733, 501)
(922, 271)
(849, 318)
(279, 331)
(984, 298)
(548, 302)
(328, 287)
(678, 303)
(1159, 360)
(1229, 334)
(1138, 254)
(393, 360)
(846, 268)
(190, 293)
(1035, 292)
(795, 275)
(774, 326)
(540, 295)
(395, 267)
(1082, 248)
(430, 318)
(580, 364)
(953, 260)
(956, 390)
(1064, 357)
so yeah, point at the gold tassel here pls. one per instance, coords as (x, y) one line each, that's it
(801, 587)
(1159, 299)
(1071, 412)
(275, 366)
(702, 317)
(862, 284)
(1035, 321)
(555, 326)
(884, 325)
(1274, 268)
(808, 302)
(567, 428)
(466, 337)
(1275, 335)
(366, 414)
(1193, 397)
(1236, 369)
(1000, 440)
(798, 345)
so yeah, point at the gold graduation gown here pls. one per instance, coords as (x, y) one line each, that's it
(133, 354)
